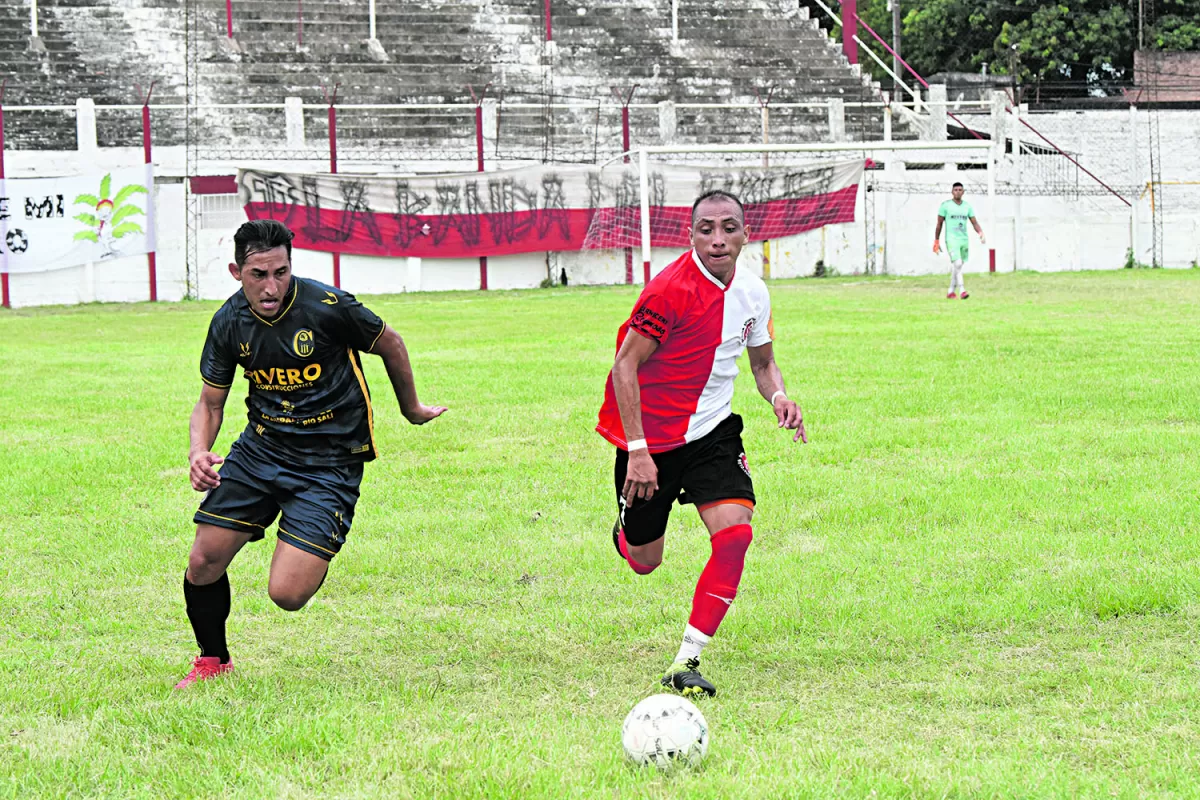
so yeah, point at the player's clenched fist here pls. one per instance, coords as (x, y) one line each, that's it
(203, 474)
(937, 246)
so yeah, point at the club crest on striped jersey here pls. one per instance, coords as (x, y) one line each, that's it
(749, 326)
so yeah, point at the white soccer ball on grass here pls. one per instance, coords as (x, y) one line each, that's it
(665, 730)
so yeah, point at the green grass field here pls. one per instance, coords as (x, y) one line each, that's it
(979, 579)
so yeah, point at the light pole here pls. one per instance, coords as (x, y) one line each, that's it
(1141, 15)
(894, 6)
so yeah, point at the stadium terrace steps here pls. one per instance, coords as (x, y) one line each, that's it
(100, 48)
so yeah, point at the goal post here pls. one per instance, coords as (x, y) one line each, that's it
(741, 165)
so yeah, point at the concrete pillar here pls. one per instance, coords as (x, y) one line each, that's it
(937, 112)
(887, 119)
(667, 122)
(894, 174)
(997, 121)
(85, 130)
(998, 130)
(491, 112)
(89, 154)
(293, 120)
(412, 280)
(837, 119)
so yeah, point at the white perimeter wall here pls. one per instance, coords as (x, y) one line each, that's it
(1091, 232)
(1057, 235)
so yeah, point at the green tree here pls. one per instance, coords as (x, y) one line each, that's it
(1177, 26)
(950, 35)
(1084, 42)
(1081, 42)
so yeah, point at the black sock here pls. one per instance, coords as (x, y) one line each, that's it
(207, 609)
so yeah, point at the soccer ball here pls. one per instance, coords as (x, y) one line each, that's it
(665, 730)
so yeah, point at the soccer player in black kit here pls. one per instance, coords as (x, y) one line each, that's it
(310, 430)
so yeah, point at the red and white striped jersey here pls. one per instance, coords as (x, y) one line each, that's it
(701, 327)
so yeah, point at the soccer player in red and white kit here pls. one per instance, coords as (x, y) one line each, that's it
(668, 409)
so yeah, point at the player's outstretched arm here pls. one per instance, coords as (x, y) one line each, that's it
(641, 477)
(202, 432)
(769, 380)
(937, 235)
(390, 347)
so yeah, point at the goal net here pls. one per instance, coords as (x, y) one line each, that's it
(811, 206)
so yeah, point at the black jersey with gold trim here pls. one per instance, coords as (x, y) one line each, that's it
(308, 400)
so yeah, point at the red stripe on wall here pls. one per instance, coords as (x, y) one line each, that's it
(214, 184)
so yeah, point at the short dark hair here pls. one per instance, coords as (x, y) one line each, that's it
(718, 194)
(260, 235)
(956, 185)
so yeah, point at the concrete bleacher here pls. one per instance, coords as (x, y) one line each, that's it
(90, 49)
(101, 48)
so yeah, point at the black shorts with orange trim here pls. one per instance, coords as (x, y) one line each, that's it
(317, 503)
(708, 471)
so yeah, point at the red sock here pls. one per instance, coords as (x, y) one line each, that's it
(640, 569)
(719, 581)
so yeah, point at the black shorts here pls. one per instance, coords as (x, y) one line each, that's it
(317, 502)
(710, 469)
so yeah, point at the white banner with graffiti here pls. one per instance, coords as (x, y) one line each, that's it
(52, 223)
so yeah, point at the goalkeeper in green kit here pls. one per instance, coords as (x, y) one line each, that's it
(956, 213)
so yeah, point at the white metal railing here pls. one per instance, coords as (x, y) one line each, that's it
(916, 96)
(829, 12)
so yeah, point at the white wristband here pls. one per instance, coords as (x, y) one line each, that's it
(637, 444)
(780, 392)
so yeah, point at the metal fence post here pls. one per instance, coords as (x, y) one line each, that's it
(151, 236)
(332, 100)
